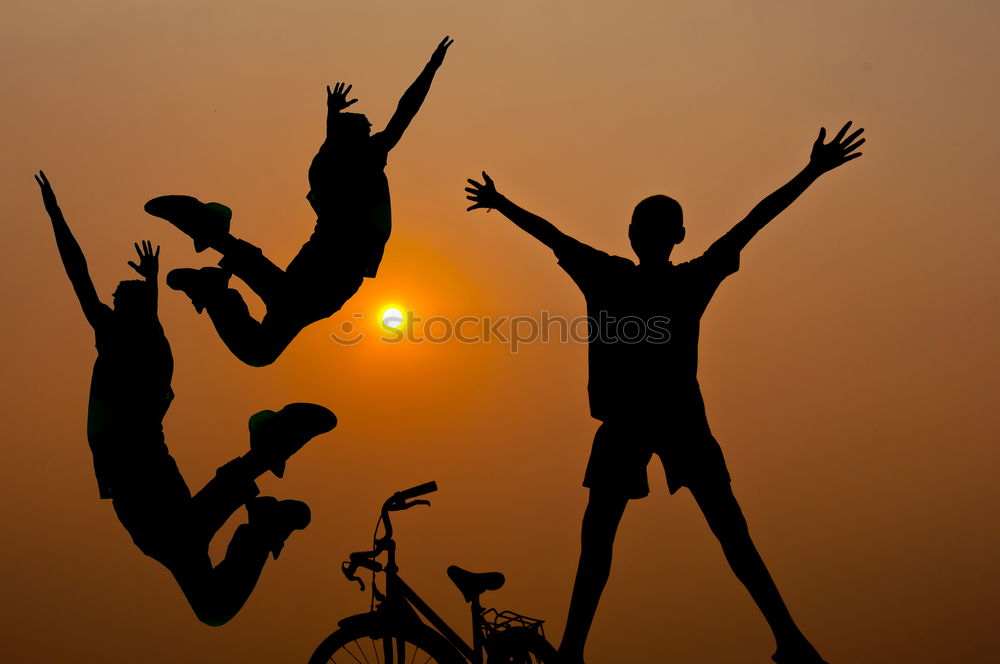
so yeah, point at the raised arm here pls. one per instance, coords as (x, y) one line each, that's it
(485, 195)
(411, 100)
(149, 264)
(824, 158)
(72, 256)
(336, 101)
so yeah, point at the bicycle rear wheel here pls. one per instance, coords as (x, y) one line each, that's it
(518, 646)
(362, 640)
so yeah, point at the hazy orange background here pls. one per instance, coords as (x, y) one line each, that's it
(850, 367)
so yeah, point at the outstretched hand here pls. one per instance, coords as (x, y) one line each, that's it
(438, 56)
(48, 196)
(336, 99)
(149, 262)
(482, 195)
(837, 152)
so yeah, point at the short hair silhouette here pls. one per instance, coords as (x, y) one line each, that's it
(659, 209)
(352, 125)
(132, 297)
(657, 224)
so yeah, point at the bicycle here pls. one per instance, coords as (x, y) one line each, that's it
(392, 631)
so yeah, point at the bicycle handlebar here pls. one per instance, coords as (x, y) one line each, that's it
(419, 490)
(360, 559)
(398, 500)
(401, 500)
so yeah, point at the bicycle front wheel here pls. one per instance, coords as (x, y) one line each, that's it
(363, 640)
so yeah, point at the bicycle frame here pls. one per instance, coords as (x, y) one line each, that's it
(400, 616)
(400, 605)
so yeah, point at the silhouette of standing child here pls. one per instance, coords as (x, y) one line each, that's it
(644, 388)
(349, 193)
(129, 396)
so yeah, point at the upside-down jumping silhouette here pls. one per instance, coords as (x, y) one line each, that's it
(129, 396)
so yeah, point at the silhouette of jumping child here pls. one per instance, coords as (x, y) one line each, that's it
(644, 388)
(349, 193)
(129, 396)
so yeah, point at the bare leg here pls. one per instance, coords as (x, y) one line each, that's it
(600, 525)
(729, 526)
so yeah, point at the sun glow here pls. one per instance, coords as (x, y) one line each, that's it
(392, 318)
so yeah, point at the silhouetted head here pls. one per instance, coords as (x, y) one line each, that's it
(134, 297)
(353, 126)
(657, 225)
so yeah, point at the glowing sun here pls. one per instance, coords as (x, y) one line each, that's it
(392, 318)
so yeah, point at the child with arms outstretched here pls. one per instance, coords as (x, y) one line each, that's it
(645, 391)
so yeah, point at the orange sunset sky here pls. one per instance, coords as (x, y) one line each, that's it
(850, 368)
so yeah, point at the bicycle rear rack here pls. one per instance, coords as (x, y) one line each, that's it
(499, 621)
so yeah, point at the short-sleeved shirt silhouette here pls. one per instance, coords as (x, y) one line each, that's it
(644, 322)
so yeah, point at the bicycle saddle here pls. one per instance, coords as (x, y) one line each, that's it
(471, 584)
